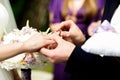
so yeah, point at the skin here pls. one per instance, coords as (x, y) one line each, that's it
(63, 50)
(34, 43)
(92, 26)
(71, 31)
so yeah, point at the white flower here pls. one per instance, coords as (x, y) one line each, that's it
(24, 60)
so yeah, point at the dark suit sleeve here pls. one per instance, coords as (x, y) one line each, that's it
(110, 7)
(79, 59)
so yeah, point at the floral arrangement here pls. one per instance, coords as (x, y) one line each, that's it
(24, 60)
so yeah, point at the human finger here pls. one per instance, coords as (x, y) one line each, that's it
(46, 52)
(64, 26)
(65, 34)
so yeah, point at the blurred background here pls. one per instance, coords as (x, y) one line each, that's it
(33, 10)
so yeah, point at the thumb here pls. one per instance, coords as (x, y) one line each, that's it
(65, 34)
(49, 42)
(46, 52)
(58, 39)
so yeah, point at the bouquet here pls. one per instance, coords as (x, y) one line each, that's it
(24, 61)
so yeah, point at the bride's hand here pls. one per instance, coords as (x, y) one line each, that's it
(35, 42)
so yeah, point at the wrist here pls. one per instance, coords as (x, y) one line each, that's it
(22, 47)
(70, 51)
